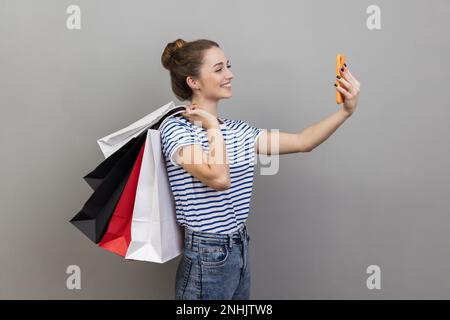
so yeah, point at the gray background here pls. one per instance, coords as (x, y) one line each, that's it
(375, 193)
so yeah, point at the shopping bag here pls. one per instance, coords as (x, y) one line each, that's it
(114, 141)
(96, 176)
(155, 234)
(118, 235)
(113, 183)
(114, 145)
(93, 219)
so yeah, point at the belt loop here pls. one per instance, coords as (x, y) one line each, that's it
(230, 240)
(244, 231)
(192, 240)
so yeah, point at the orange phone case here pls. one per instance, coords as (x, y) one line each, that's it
(340, 60)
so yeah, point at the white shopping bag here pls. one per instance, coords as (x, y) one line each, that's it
(114, 141)
(155, 234)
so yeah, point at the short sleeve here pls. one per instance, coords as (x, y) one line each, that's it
(175, 134)
(254, 132)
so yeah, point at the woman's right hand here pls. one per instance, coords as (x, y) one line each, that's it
(200, 117)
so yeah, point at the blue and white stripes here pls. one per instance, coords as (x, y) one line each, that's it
(198, 206)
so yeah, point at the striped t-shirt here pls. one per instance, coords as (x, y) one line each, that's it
(198, 206)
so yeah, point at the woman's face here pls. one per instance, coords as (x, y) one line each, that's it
(214, 74)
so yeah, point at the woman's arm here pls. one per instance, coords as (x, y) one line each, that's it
(304, 141)
(311, 137)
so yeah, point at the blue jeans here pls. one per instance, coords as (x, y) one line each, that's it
(214, 266)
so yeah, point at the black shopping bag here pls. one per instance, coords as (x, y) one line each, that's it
(108, 181)
(96, 176)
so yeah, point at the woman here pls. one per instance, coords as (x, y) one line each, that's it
(210, 164)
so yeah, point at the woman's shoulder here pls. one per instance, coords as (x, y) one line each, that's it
(174, 120)
(231, 121)
(236, 123)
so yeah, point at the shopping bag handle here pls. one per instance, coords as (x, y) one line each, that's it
(181, 109)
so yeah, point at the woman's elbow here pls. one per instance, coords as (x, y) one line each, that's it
(221, 184)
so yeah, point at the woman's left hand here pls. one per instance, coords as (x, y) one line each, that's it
(350, 90)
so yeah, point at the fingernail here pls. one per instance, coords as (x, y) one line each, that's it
(345, 65)
(342, 69)
(338, 77)
(335, 85)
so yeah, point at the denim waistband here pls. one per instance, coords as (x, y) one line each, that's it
(191, 236)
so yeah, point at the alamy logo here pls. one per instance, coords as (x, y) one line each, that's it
(74, 280)
(270, 162)
(374, 280)
(374, 20)
(74, 20)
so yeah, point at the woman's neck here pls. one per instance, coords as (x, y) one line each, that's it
(207, 105)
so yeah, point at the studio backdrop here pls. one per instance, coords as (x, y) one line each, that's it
(364, 215)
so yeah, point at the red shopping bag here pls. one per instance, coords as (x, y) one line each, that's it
(118, 236)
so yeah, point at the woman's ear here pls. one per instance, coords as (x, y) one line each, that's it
(191, 83)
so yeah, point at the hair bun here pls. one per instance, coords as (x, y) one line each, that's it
(169, 51)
